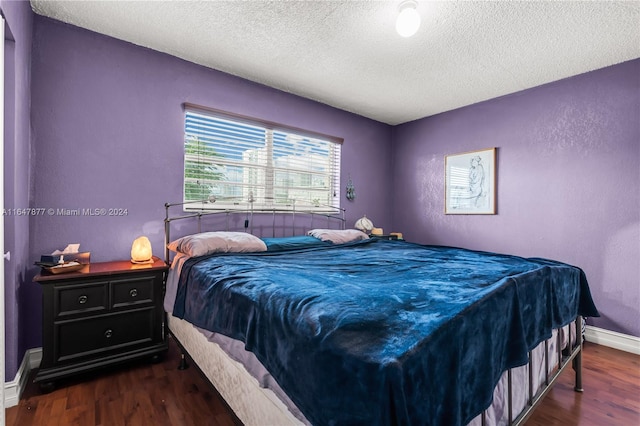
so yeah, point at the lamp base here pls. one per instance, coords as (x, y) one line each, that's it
(142, 262)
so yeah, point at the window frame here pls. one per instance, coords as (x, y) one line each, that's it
(271, 127)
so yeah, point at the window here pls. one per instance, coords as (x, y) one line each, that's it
(237, 163)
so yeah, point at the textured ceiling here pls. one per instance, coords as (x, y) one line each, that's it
(347, 54)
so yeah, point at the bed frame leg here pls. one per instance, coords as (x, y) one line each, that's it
(577, 361)
(183, 362)
(577, 367)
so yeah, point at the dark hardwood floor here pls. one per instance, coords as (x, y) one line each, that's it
(611, 397)
(159, 394)
(140, 393)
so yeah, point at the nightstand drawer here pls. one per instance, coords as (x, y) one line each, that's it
(132, 291)
(84, 337)
(74, 299)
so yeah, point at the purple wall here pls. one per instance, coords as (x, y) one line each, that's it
(17, 96)
(568, 179)
(108, 133)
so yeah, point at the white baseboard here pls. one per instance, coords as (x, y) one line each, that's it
(612, 339)
(13, 389)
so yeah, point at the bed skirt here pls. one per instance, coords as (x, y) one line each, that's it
(256, 405)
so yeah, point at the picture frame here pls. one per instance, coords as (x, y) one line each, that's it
(470, 182)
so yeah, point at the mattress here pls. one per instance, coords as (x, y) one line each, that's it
(252, 403)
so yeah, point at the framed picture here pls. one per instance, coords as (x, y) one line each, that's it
(470, 182)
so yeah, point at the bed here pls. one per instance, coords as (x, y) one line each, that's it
(338, 328)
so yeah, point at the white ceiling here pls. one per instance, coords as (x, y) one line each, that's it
(347, 54)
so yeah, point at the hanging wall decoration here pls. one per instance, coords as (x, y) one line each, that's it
(351, 191)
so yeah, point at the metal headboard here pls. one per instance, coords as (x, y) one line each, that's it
(334, 217)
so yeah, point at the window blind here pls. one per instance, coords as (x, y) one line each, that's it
(235, 163)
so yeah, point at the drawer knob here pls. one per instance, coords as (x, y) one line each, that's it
(133, 292)
(108, 333)
(82, 299)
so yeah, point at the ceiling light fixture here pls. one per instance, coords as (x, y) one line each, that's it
(408, 20)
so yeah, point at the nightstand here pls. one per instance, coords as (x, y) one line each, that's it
(106, 313)
(384, 237)
(392, 236)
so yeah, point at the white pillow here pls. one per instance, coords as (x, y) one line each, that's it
(217, 242)
(338, 236)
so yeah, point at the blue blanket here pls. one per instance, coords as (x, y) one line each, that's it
(384, 332)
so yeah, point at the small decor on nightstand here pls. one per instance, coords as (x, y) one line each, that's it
(364, 224)
(377, 232)
(141, 251)
(62, 261)
(64, 268)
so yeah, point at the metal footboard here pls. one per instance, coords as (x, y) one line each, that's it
(571, 355)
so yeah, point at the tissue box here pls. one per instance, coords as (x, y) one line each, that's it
(50, 258)
(81, 257)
